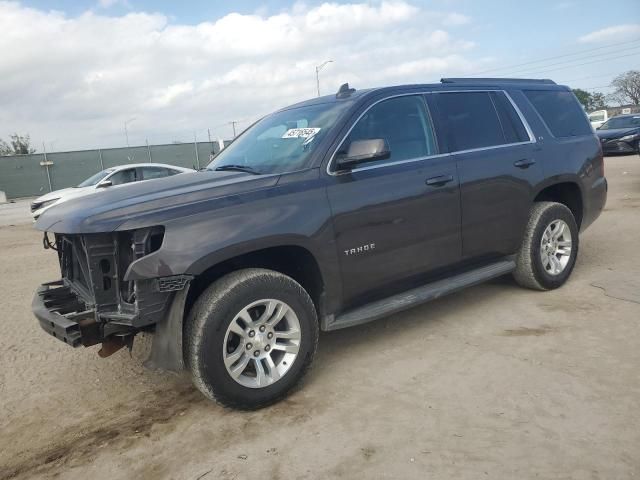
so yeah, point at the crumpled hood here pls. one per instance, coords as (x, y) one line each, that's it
(143, 204)
(616, 132)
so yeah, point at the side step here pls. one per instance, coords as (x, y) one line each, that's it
(416, 296)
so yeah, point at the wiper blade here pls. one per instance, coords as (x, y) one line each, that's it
(239, 168)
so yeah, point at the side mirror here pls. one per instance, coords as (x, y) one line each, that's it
(361, 151)
(105, 184)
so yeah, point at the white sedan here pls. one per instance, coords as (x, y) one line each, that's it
(106, 178)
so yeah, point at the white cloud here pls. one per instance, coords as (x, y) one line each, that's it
(611, 34)
(455, 19)
(76, 79)
(111, 3)
(564, 5)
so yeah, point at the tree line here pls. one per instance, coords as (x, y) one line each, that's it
(627, 91)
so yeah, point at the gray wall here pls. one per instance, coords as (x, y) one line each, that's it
(24, 176)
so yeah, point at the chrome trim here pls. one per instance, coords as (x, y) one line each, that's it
(386, 164)
(532, 138)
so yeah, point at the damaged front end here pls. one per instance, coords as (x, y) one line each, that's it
(96, 302)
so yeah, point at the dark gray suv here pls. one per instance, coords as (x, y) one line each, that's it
(327, 214)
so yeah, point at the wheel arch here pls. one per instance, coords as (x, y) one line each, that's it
(566, 191)
(290, 258)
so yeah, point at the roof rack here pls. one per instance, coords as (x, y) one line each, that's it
(544, 81)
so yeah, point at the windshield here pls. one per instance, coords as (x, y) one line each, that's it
(280, 142)
(93, 179)
(621, 122)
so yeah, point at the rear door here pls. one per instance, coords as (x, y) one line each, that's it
(498, 166)
(391, 219)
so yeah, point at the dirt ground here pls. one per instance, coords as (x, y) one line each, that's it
(492, 382)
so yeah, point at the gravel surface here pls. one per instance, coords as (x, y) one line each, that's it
(15, 212)
(492, 382)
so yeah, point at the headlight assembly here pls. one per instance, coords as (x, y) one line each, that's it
(48, 203)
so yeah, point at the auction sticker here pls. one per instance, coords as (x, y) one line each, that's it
(301, 132)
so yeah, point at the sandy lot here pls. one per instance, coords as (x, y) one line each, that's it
(493, 382)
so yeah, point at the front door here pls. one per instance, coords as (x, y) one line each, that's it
(398, 217)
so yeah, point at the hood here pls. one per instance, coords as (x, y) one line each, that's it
(60, 194)
(143, 204)
(617, 132)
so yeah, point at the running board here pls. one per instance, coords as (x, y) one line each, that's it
(416, 296)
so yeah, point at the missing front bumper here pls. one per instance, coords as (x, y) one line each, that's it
(63, 315)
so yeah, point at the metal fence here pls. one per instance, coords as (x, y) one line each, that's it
(39, 173)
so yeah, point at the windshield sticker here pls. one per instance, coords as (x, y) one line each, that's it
(301, 132)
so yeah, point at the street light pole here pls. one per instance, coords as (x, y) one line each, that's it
(126, 132)
(318, 68)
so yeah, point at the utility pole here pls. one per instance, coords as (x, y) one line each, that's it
(46, 166)
(233, 124)
(195, 147)
(318, 68)
(126, 132)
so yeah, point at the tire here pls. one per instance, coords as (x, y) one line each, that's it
(531, 271)
(217, 333)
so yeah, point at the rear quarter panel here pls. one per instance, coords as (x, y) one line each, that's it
(573, 159)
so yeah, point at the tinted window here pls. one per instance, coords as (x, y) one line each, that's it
(512, 126)
(471, 120)
(123, 176)
(154, 172)
(560, 111)
(402, 122)
(622, 122)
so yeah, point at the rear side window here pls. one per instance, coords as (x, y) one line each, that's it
(514, 130)
(560, 111)
(471, 120)
(154, 172)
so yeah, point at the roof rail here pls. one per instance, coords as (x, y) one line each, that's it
(544, 81)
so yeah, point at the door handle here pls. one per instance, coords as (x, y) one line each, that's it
(524, 163)
(439, 180)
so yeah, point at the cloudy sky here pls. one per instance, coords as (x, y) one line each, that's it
(72, 72)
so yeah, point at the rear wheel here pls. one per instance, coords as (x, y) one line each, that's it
(549, 248)
(250, 338)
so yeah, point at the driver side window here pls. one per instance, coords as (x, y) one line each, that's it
(123, 176)
(403, 123)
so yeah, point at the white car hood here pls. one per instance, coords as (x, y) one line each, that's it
(65, 193)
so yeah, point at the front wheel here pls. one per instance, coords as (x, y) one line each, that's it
(549, 248)
(250, 338)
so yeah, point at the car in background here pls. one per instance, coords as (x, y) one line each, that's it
(109, 177)
(598, 118)
(620, 134)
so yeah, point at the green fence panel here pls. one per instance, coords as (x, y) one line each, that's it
(71, 168)
(23, 176)
(205, 151)
(180, 154)
(120, 156)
